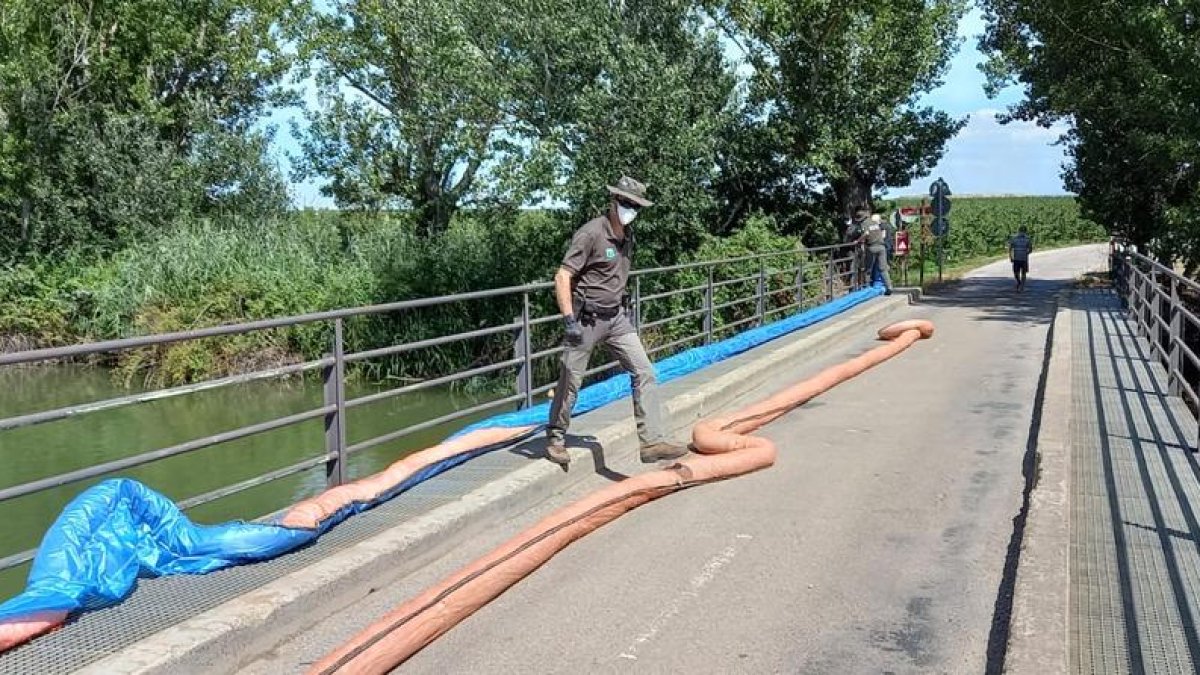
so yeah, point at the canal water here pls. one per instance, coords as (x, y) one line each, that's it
(44, 450)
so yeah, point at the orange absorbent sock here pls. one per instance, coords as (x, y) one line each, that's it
(15, 631)
(726, 451)
(310, 513)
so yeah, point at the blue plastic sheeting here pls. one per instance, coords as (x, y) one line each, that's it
(119, 530)
(684, 363)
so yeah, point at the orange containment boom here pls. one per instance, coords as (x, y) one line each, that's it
(725, 451)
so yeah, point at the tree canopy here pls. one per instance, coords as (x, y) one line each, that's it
(838, 85)
(117, 116)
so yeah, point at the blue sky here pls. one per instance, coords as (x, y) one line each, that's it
(985, 158)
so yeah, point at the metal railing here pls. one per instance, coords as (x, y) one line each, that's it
(773, 283)
(1154, 295)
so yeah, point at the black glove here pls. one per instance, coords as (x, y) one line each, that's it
(574, 332)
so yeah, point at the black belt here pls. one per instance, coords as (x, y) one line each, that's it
(602, 313)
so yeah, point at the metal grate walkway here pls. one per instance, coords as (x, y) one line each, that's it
(1135, 504)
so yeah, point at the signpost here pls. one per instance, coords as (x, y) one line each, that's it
(905, 220)
(940, 192)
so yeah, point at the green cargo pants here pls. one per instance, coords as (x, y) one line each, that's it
(622, 339)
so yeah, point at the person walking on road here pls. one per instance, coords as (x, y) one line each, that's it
(875, 237)
(590, 287)
(1019, 248)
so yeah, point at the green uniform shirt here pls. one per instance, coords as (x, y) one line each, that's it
(600, 263)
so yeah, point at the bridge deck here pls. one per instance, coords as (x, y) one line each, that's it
(1135, 504)
(161, 603)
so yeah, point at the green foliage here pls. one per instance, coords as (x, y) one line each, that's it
(838, 84)
(433, 106)
(655, 113)
(981, 226)
(205, 274)
(734, 284)
(117, 117)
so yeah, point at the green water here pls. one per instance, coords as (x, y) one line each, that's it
(44, 450)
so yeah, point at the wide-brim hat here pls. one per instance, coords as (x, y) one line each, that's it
(632, 190)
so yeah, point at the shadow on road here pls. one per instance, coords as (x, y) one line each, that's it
(996, 299)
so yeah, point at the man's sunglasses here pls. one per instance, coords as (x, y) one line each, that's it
(628, 204)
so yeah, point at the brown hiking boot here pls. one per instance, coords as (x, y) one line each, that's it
(556, 451)
(660, 451)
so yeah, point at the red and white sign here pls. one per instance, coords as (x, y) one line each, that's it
(902, 243)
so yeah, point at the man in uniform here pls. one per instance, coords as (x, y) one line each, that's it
(1019, 248)
(590, 289)
(875, 237)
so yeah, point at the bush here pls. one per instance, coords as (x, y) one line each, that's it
(205, 273)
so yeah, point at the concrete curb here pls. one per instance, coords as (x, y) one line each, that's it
(235, 633)
(1038, 634)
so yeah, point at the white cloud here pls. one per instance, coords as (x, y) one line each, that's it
(992, 158)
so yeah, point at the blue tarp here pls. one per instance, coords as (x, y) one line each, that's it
(120, 530)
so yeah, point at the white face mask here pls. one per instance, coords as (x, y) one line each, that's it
(626, 215)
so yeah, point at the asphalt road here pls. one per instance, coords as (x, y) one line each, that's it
(876, 544)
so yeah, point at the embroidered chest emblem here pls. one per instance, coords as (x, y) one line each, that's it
(610, 253)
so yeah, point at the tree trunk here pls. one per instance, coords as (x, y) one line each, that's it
(434, 215)
(853, 194)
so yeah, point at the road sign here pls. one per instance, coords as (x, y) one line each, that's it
(940, 192)
(941, 226)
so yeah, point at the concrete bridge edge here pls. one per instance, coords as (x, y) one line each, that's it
(1038, 640)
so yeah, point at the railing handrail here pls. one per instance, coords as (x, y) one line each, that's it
(334, 362)
(1158, 314)
(1143, 258)
(88, 348)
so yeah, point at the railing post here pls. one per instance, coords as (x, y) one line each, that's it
(856, 281)
(708, 308)
(1175, 358)
(335, 422)
(829, 278)
(800, 282)
(1135, 306)
(523, 350)
(760, 293)
(637, 303)
(1155, 310)
(1143, 306)
(1123, 275)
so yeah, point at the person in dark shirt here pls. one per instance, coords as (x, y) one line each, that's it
(590, 287)
(1019, 248)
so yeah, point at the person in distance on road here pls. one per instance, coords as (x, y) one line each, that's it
(1019, 248)
(590, 287)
